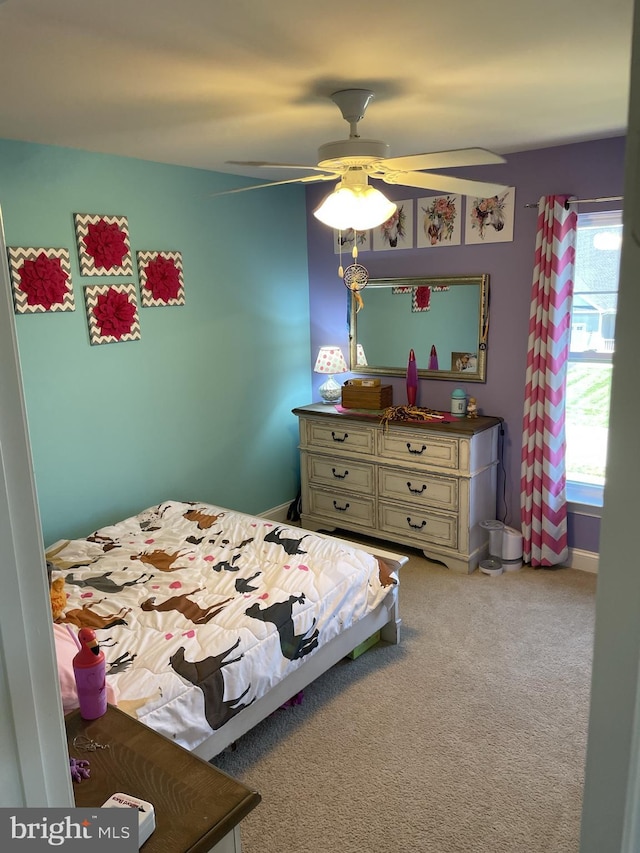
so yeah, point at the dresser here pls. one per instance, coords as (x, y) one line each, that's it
(426, 485)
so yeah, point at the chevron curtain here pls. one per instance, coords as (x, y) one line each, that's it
(543, 502)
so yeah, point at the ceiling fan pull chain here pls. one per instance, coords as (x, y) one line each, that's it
(340, 267)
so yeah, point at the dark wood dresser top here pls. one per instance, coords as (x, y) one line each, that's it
(195, 804)
(461, 426)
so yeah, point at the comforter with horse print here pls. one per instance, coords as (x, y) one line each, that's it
(200, 610)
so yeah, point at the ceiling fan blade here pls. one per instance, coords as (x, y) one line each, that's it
(444, 183)
(306, 180)
(444, 159)
(264, 163)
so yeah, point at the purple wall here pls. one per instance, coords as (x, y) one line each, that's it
(586, 170)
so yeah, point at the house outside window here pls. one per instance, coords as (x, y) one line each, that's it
(593, 319)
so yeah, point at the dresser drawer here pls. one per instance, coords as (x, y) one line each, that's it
(418, 488)
(339, 437)
(419, 525)
(342, 508)
(337, 473)
(420, 450)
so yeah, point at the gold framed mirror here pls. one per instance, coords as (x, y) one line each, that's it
(445, 320)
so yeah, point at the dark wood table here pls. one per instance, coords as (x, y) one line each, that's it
(196, 805)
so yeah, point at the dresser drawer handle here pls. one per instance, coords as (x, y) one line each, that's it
(416, 491)
(417, 452)
(335, 438)
(339, 476)
(340, 508)
(416, 526)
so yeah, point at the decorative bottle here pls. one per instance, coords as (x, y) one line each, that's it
(412, 379)
(433, 358)
(89, 668)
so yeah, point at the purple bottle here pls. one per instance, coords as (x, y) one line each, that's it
(89, 668)
(412, 379)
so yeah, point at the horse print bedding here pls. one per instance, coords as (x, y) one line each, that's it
(201, 610)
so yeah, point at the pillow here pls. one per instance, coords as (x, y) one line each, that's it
(66, 650)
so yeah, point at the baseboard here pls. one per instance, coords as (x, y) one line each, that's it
(585, 561)
(278, 513)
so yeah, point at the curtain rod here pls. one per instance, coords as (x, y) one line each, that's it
(600, 200)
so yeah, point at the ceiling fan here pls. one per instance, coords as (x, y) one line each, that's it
(355, 160)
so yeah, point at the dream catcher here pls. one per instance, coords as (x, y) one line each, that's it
(355, 276)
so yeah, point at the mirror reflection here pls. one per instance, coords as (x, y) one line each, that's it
(444, 320)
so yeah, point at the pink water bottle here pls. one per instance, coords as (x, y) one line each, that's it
(89, 668)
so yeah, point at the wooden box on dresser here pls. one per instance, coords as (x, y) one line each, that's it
(426, 485)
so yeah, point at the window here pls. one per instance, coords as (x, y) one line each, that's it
(593, 318)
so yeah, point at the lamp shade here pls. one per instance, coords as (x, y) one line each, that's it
(354, 204)
(330, 360)
(361, 358)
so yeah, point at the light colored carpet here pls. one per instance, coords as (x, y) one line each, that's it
(468, 737)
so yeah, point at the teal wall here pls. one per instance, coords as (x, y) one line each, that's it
(200, 407)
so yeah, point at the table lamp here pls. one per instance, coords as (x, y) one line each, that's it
(330, 360)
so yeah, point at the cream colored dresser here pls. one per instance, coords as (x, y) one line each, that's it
(426, 486)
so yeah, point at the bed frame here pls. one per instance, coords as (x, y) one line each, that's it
(385, 618)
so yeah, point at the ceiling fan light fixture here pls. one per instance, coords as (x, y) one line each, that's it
(360, 207)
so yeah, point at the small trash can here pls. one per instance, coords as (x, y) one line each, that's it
(511, 549)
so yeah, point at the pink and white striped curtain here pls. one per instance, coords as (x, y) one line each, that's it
(543, 501)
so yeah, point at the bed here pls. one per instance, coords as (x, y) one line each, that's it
(211, 619)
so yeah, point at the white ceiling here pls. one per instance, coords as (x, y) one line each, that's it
(200, 82)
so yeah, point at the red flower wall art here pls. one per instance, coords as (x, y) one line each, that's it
(421, 296)
(41, 280)
(103, 244)
(161, 280)
(112, 313)
(421, 299)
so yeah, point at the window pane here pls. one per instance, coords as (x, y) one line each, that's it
(587, 421)
(595, 292)
(592, 344)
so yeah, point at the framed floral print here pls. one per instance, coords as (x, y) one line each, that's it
(112, 313)
(439, 221)
(103, 244)
(161, 278)
(397, 231)
(41, 280)
(490, 220)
